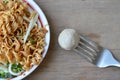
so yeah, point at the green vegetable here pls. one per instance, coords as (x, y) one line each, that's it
(5, 75)
(33, 41)
(8, 75)
(7, 64)
(5, 2)
(16, 68)
(2, 74)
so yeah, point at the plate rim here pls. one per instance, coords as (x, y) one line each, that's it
(45, 23)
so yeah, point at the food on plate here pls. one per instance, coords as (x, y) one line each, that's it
(68, 39)
(17, 55)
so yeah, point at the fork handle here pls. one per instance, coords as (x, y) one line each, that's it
(107, 59)
(114, 63)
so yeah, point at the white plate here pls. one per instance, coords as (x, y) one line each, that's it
(43, 22)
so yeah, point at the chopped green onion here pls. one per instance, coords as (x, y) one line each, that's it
(2, 74)
(33, 41)
(3, 67)
(16, 68)
(5, 2)
(5, 75)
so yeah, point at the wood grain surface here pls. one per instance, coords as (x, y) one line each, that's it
(97, 19)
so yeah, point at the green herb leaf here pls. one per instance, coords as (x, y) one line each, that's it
(33, 41)
(5, 2)
(5, 75)
(8, 75)
(16, 68)
(2, 74)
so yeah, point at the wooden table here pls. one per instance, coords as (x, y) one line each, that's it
(97, 19)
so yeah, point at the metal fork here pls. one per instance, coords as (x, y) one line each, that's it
(96, 54)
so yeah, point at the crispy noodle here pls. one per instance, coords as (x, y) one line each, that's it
(13, 27)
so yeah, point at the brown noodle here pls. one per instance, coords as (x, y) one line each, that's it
(12, 30)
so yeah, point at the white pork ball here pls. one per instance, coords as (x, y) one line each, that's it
(68, 39)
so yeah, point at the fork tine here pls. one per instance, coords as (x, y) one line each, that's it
(82, 54)
(89, 42)
(86, 52)
(87, 47)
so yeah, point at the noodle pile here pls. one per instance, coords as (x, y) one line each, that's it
(12, 30)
